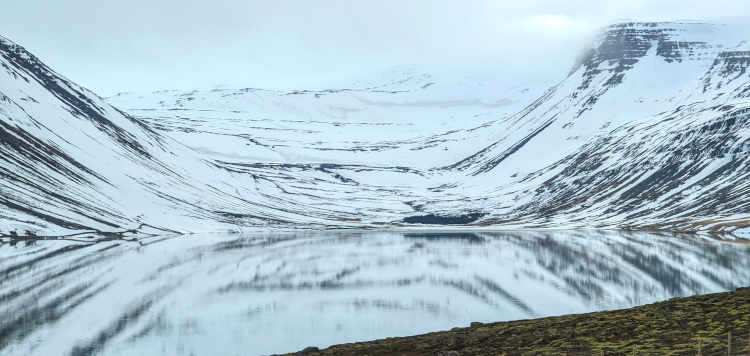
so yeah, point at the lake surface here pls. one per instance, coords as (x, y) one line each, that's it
(272, 293)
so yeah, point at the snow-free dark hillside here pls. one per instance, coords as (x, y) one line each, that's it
(649, 130)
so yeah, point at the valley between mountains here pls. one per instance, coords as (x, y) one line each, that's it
(650, 130)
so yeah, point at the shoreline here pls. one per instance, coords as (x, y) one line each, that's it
(705, 324)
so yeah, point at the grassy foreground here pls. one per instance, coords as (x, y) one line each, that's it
(680, 326)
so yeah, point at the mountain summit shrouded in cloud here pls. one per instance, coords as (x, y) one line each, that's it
(650, 130)
(143, 46)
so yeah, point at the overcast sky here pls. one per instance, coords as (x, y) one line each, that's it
(148, 45)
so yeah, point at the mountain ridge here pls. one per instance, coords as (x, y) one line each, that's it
(650, 130)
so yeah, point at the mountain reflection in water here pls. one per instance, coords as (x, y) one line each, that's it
(271, 293)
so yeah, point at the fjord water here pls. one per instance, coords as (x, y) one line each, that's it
(272, 293)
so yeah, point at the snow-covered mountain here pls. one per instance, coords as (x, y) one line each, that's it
(74, 164)
(651, 129)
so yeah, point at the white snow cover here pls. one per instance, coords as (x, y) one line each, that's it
(649, 130)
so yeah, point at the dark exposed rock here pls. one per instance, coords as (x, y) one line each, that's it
(433, 219)
(448, 353)
(622, 45)
(308, 350)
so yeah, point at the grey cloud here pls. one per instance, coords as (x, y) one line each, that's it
(143, 45)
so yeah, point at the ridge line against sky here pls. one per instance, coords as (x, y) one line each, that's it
(144, 46)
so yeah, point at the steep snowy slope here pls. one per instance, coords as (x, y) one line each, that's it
(65, 153)
(73, 164)
(649, 130)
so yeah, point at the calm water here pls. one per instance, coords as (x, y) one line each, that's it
(272, 293)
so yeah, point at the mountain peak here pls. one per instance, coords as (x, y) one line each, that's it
(650, 131)
(619, 46)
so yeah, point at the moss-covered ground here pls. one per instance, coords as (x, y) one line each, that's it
(681, 326)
